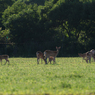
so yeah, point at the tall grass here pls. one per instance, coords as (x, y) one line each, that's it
(67, 76)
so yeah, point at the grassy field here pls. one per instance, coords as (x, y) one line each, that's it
(67, 76)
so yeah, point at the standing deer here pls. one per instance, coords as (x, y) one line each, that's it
(39, 55)
(48, 53)
(51, 59)
(4, 57)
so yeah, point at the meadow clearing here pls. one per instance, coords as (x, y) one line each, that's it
(68, 76)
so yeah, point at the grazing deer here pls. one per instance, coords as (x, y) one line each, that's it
(93, 52)
(48, 53)
(94, 58)
(4, 57)
(39, 55)
(89, 54)
(82, 55)
(86, 55)
(51, 59)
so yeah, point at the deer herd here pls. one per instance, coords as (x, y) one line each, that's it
(52, 54)
(47, 54)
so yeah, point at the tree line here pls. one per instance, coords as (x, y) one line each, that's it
(27, 27)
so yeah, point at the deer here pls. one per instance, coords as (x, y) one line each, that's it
(82, 55)
(89, 54)
(48, 53)
(4, 57)
(39, 55)
(86, 55)
(93, 52)
(51, 58)
(94, 58)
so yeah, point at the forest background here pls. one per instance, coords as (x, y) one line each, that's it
(27, 26)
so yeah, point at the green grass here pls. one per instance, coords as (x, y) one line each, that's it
(67, 76)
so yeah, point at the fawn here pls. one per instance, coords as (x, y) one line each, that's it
(51, 58)
(39, 55)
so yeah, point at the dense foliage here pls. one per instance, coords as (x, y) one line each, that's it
(32, 26)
